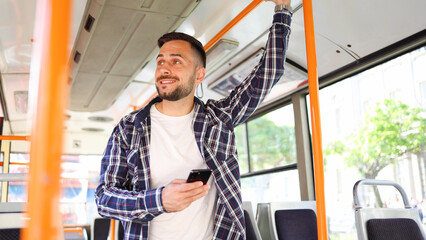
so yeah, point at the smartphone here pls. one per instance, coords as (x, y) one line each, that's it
(202, 175)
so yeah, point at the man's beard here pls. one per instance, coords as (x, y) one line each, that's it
(180, 92)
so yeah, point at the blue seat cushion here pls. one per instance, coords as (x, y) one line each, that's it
(10, 234)
(393, 229)
(296, 224)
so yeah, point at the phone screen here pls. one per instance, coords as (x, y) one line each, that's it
(202, 175)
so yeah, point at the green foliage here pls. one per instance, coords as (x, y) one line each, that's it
(389, 131)
(270, 145)
(241, 147)
(334, 148)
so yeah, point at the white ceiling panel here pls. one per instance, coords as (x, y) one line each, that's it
(166, 7)
(84, 89)
(16, 33)
(135, 52)
(13, 83)
(368, 26)
(327, 57)
(116, 39)
(107, 92)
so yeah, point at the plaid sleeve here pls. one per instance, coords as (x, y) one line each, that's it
(112, 197)
(246, 97)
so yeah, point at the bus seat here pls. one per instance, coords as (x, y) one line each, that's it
(11, 220)
(75, 233)
(287, 220)
(100, 229)
(10, 234)
(252, 231)
(120, 231)
(386, 223)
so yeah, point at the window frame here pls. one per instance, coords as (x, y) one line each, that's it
(304, 161)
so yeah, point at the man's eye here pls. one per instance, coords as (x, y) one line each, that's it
(177, 62)
(160, 62)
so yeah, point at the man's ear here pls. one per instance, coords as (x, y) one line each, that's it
(200, 74)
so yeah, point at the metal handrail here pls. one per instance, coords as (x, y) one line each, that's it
(13, 177)
(375, 182)
(20, 138)
(12, 207)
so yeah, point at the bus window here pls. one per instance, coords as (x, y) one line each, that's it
(271, 187)
(1, 171)
(79, 179)
(241, 142)
(19, 163)
(270, 150)
(420, 76)
(272, 142)
(373, 126)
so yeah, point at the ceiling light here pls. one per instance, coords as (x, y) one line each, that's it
(219, 51)
(21, 101)
(101, 119)
(92, 129)
(3, 64)
(227, 82)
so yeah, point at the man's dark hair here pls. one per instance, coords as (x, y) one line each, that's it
(195, 44)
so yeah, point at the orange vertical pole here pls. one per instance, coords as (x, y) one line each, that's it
(315, 118)
(112, 232)
(49, 73)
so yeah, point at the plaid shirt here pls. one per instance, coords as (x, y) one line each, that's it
(124, 191)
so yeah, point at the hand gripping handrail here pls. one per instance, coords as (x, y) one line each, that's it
(374, 182)
(217, 37)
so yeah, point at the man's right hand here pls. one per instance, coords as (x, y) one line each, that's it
(280, 2)
(178, 195)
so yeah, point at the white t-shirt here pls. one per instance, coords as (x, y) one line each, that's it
(173, 154)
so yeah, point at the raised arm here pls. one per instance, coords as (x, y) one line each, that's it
(246, 97)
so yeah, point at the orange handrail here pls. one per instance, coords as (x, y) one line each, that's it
(232, 23)
(221, 33)
(19, 138)
(15, 163)
(315, 119)
(76, 229)
(50, 71)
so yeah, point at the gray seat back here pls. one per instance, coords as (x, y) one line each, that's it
(386, 223)
(272, 218)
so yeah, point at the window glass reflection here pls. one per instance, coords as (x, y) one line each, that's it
(272, 187)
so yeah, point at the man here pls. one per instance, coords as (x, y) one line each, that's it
(152, 150)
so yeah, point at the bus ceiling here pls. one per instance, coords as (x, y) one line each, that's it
(113, 43)
(112, 53)
(115, 40)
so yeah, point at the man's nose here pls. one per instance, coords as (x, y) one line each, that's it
(165, 69)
